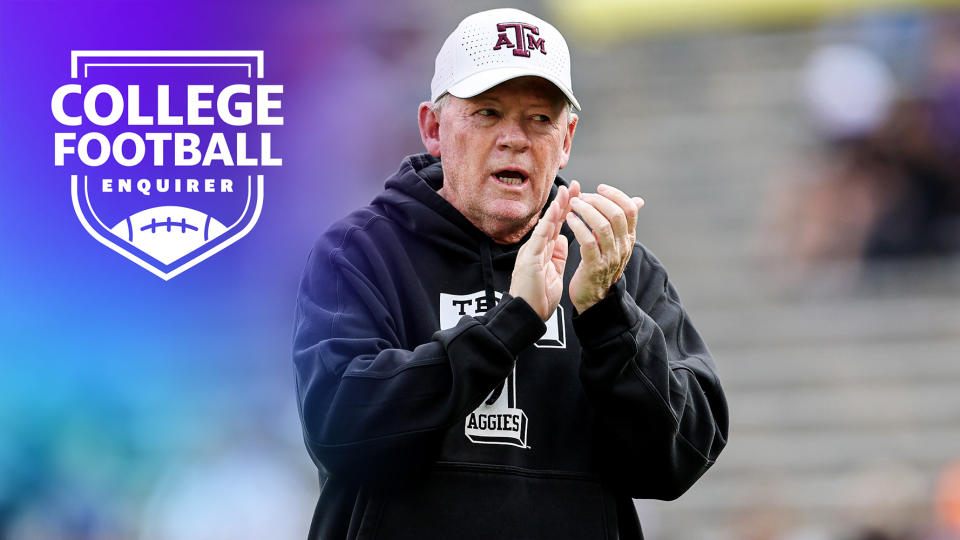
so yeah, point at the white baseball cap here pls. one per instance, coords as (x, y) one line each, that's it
(494, 46)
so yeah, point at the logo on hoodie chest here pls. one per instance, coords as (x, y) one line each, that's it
(453, 306)
(499, 419)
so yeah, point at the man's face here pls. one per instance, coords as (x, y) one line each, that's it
(501, 151)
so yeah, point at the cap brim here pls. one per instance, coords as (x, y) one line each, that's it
(482, 81)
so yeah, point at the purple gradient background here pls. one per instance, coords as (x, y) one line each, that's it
(114, 380)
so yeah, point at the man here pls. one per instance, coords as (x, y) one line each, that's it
(484, 351)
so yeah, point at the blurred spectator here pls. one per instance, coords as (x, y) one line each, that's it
(887, 182)
(889, 502)
(922, 201)
(947, 502)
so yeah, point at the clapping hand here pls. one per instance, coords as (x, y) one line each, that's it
(606, 246)
(538, 272)
(604, 224)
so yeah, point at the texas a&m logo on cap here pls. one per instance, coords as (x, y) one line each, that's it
(525, 36)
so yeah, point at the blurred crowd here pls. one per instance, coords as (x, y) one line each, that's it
(883, 92)
(883, 507)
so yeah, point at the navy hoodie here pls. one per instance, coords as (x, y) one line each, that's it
(435, 405)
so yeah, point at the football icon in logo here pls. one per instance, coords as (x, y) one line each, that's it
(168, 232)
(170, 238)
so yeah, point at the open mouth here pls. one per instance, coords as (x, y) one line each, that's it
(511, 178)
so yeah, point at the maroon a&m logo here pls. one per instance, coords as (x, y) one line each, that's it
(521, 47)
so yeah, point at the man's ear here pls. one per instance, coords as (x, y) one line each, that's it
(568, 137)
(429, 128)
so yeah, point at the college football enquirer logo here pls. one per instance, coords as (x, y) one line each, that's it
(166, 150)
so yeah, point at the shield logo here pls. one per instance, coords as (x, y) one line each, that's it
(167, 239)
(167, 149)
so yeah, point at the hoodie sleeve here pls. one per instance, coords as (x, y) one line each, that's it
(370, 408)
(661, 412)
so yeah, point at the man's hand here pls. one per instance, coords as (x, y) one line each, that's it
(538, 272)
(606, 249)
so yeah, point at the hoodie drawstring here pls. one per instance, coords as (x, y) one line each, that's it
(486, 262)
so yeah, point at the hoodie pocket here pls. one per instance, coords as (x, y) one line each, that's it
(467, 504)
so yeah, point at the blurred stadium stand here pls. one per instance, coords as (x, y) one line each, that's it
(843, 385)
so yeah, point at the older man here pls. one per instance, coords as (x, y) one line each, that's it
(484, 351)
